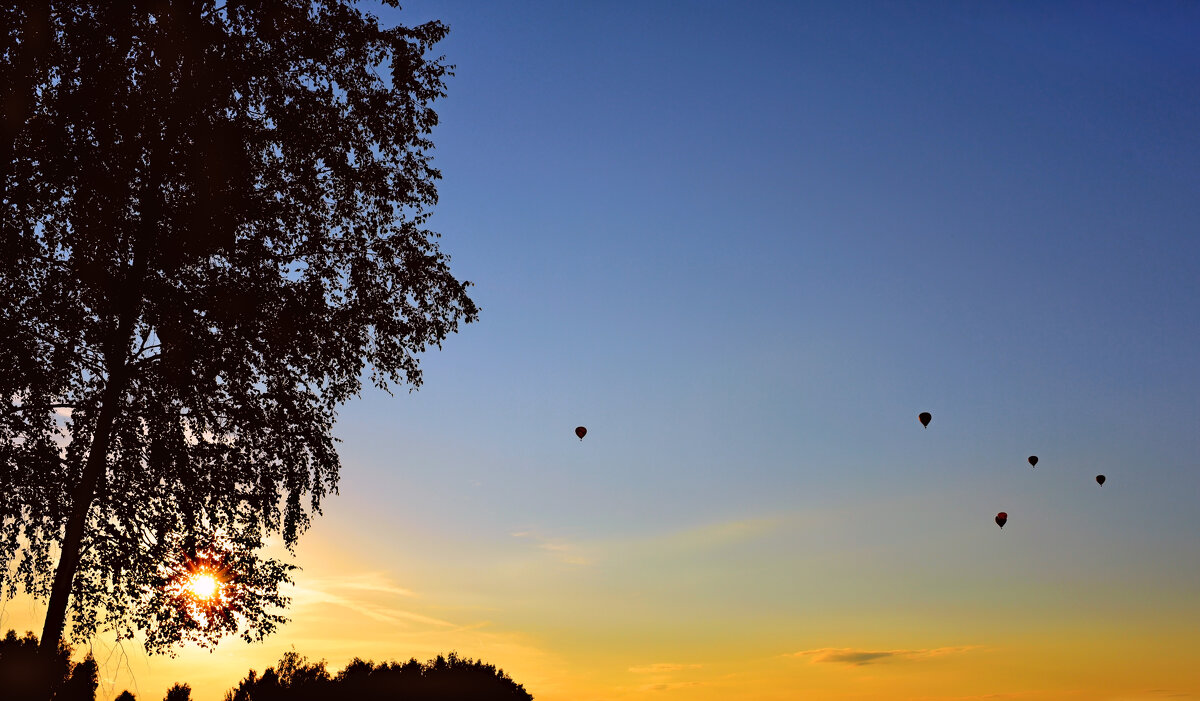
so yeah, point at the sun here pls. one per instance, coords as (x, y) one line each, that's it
(203, 585)
(206, 586)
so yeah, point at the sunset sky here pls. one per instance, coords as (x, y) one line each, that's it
(745, 244)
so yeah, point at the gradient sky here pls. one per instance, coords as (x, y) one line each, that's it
(745, 244)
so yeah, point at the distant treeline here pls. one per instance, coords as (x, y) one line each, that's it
(448, 678)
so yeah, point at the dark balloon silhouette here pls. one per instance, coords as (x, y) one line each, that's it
(1033, 460)
(580, 431)
(925, 418)
(1002, 518)
(1100, 480)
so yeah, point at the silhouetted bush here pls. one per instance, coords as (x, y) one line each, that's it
(81, 686)
(24, 675)
(449, 678)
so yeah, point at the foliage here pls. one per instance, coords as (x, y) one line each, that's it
(83, 682)
(22, 667)
(179, 692)
(448, 678)
(213, 226)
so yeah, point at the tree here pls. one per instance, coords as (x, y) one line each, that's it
(179, 692)
(83, 682)
(22, 667)
(449, 678)
(23, 671)
(213, 221)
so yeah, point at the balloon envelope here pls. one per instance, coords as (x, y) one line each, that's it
(581, 432)
(1001, 518)
(1033, 460)
(925, 418)
(1100, 480)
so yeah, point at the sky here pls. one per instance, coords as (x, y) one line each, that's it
(745, 244)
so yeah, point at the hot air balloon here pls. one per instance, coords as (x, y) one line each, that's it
(1033, 460)
(925, 418)
(1100, 480)
(580, 431)
(1002, 518)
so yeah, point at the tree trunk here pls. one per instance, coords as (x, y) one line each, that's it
(117, 357)
(81, 500)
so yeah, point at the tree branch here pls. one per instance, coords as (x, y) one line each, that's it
(40, 407)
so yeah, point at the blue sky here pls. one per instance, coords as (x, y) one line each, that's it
(745, 244)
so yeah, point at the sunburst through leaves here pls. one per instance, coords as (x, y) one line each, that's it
(205, 588)
(210, 585)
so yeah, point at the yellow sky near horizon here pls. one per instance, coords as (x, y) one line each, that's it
(700, 613)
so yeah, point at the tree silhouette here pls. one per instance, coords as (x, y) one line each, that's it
(126, 696)
(213, 223)
(179, 692)
(23, 671)
(83, 682)
(449, 678)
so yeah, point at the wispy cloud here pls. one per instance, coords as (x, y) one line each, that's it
(668, 686)
(360, 593)
(1023, 695)
(655, 545)
(856, 657)
(662, 667)
(374, 582)
(562, 550)
(721, 533)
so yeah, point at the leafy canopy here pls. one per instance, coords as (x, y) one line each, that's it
(215, 212)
